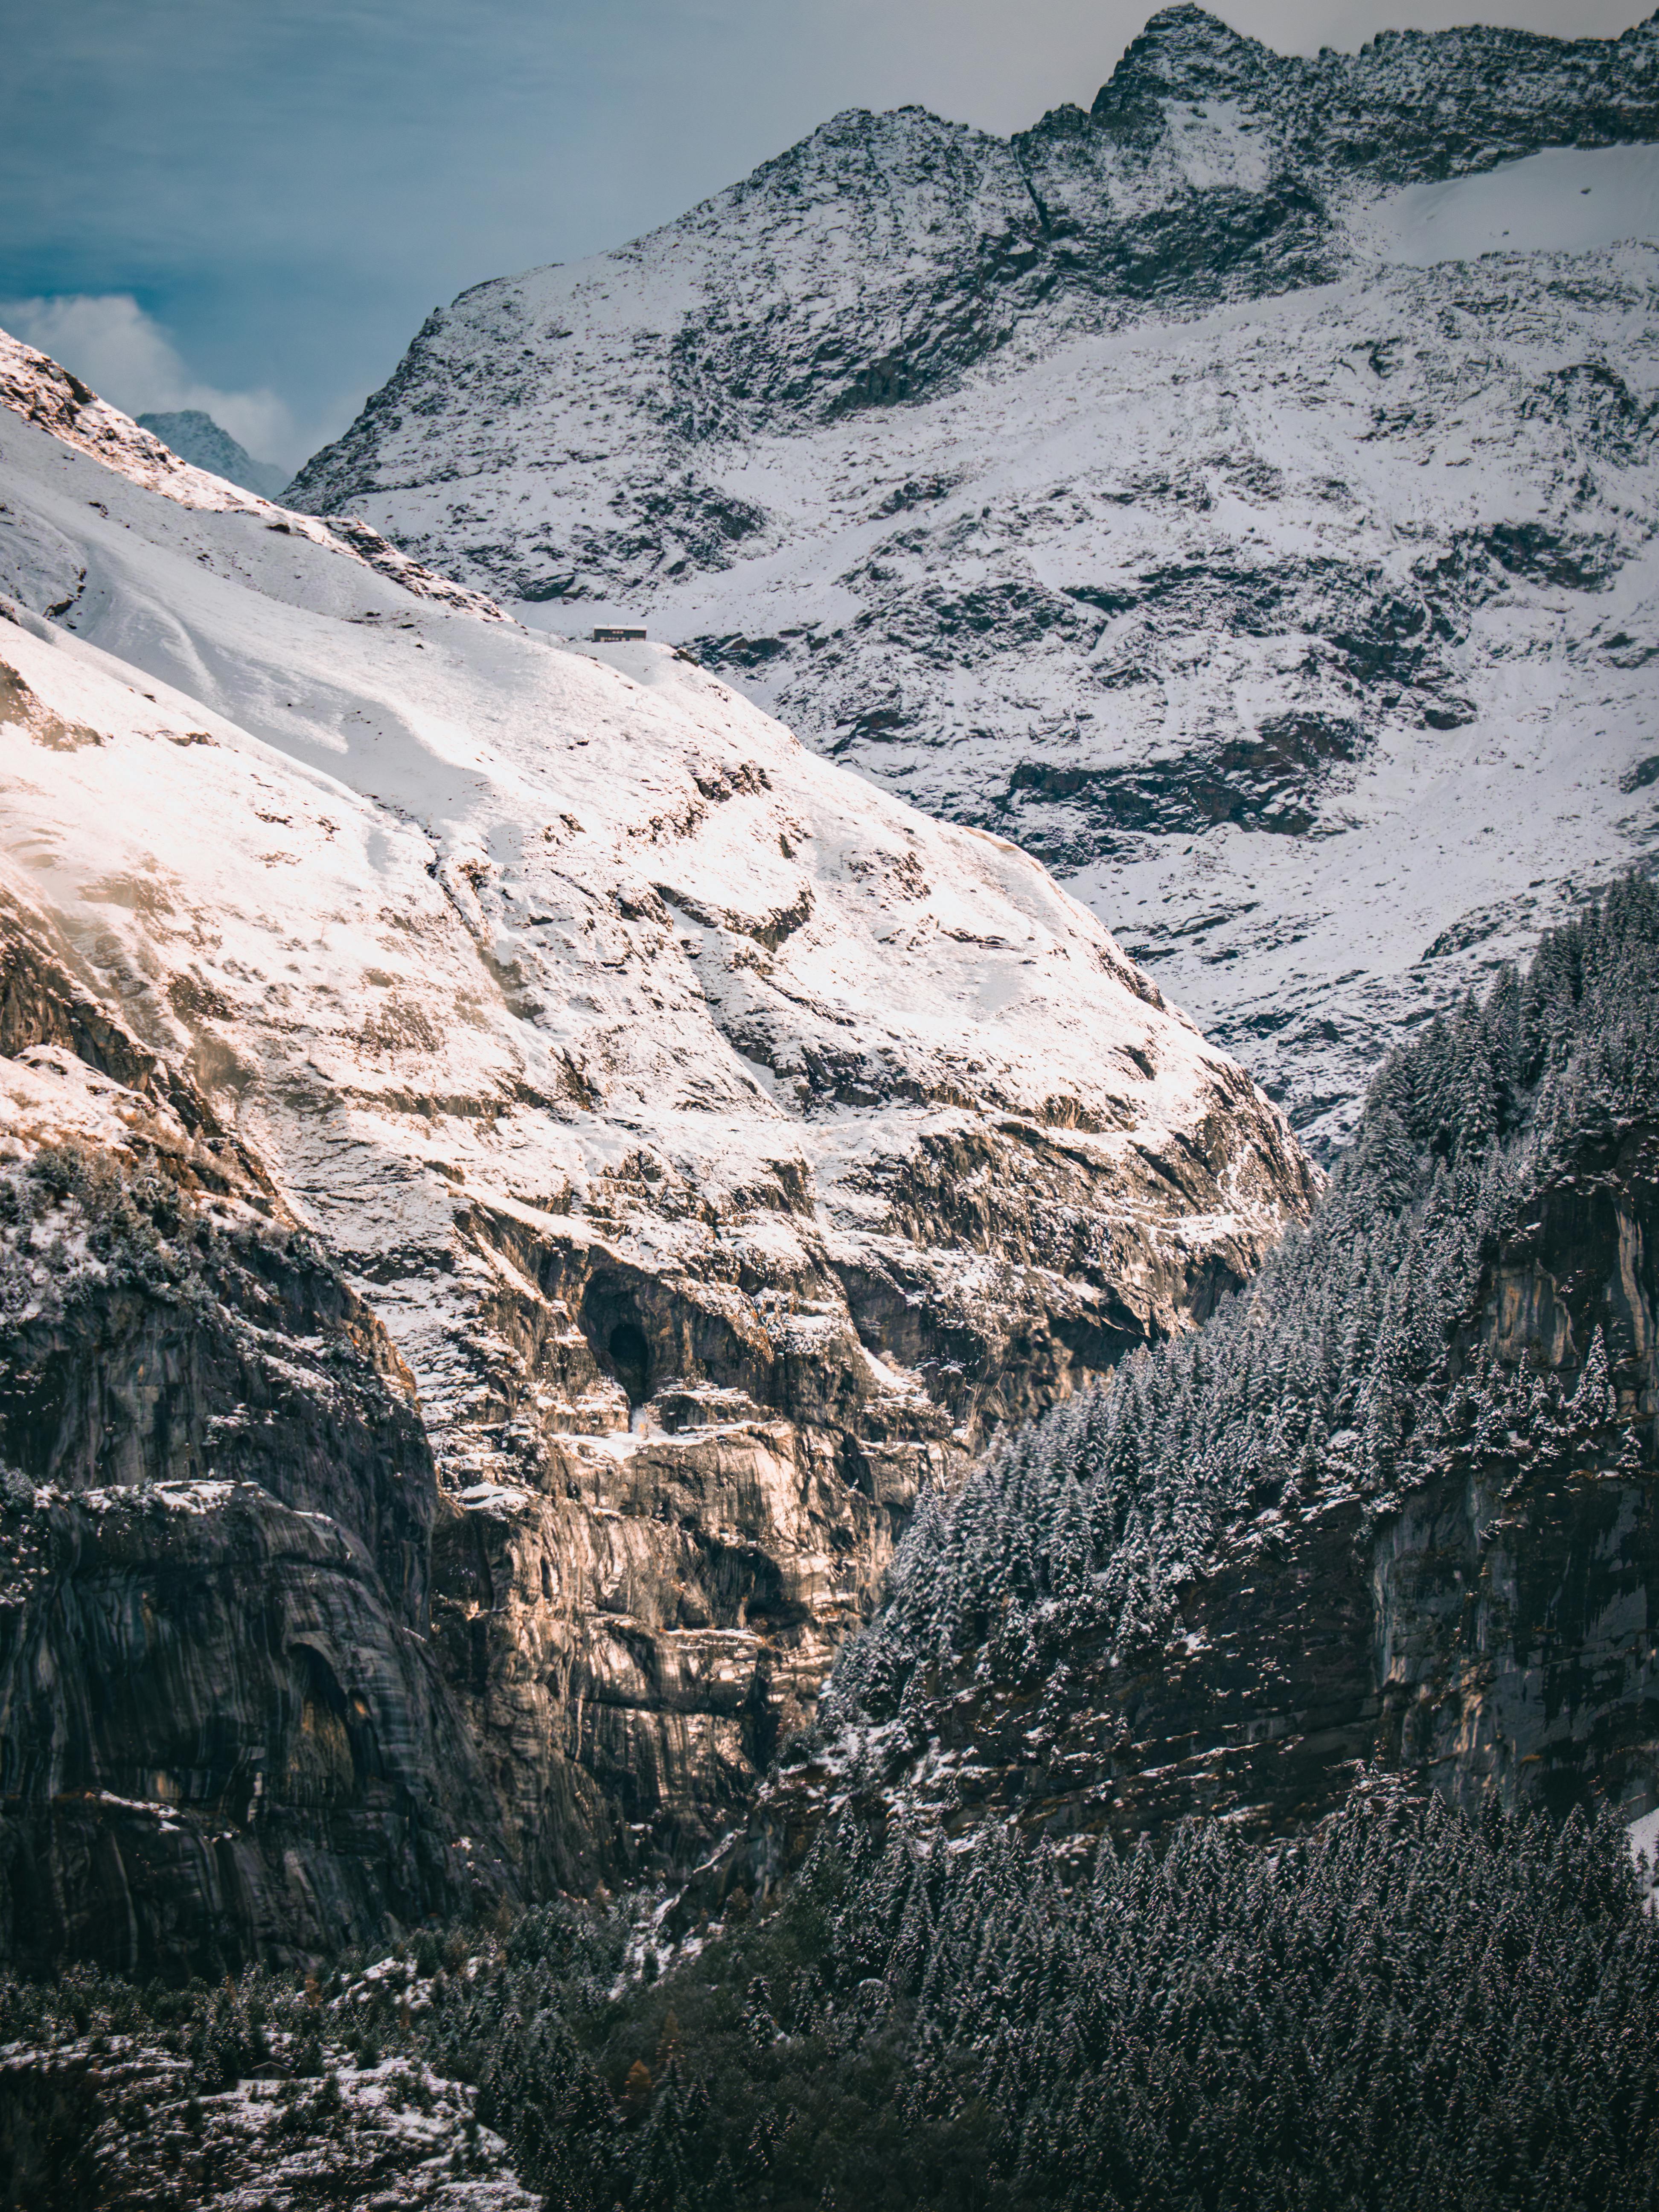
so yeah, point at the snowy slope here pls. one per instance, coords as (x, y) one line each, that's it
(1568, 200)
(1240, 495)
(704, 1125)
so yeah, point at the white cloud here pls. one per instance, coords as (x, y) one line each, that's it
(110, 343)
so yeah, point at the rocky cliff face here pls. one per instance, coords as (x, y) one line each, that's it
(672, 1152)
(1234, 492)
(1452, 1577)
(223, 1732)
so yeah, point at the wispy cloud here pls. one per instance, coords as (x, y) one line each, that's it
(126, 355)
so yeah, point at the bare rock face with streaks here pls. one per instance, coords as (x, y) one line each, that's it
(1485, 1632)
(221, 1729)
(672, 1150)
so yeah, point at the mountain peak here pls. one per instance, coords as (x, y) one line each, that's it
(205, 444)
(1184, 52)
(858, 144)
(676, 991)
(797, 431)
(1186, 29)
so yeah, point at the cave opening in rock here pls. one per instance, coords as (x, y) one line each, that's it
(630, 1357)
(618, 1335)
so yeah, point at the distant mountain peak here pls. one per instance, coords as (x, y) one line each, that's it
(1178, 42)
(198, 438)
(1183, 54)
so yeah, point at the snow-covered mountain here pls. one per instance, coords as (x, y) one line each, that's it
(198, 438)
(705, 1146)
(1240, 492)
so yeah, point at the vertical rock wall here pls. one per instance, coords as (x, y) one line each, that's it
(223, 1732)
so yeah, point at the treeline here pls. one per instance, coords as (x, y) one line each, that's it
(1349, 1364)
(1399, 2010)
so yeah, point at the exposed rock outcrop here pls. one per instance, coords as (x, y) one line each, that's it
(223, 1732)
(1461, 1591)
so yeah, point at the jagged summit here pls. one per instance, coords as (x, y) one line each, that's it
(1183, 52)
(760, 311)
(1178, 487)
(1404, 95)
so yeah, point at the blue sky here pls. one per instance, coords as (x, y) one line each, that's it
(249, 205)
